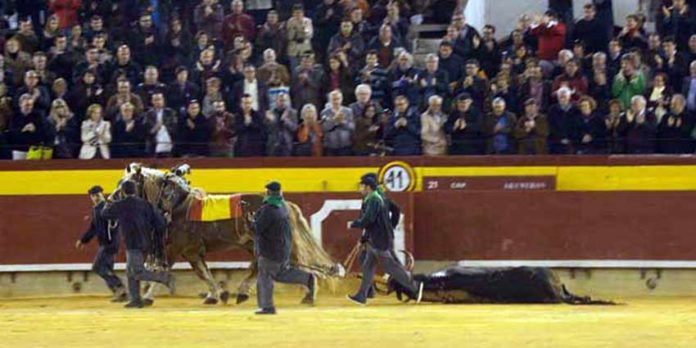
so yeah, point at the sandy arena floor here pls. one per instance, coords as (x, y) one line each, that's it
(184, 322)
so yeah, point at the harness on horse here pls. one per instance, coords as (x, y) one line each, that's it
(176, 178)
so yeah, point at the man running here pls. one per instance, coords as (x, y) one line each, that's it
(378, 241)
(137, 219)
(108, 245)
(394, 219)
(273, 245)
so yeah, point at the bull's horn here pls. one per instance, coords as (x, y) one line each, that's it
(339, 271)
(410, 260)
(384, 281)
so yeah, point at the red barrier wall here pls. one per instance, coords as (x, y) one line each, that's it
(440, 225)
(555, 225)
(43, 229)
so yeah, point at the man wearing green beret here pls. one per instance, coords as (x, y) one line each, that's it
(273, 236)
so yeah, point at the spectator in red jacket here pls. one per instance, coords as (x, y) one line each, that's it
(573, 79)
(238, 23)
(551, 35)
(66, 10)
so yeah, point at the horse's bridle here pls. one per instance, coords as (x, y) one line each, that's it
(140, 181)
(160, 191)
(160, 194)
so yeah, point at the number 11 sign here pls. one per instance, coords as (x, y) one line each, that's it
(398, 176)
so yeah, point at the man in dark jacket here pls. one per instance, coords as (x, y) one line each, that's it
(181, 91)
(393, 208)
(136, 219)
(563, 119)
(27, 127)
(129, 135)
(464, 127)
(281, 123)
(394, 219)
(450, 62)
(679, 21)
(378, 240)
(472, 83)
(404, 129)
(591, 30)
(273, 245)
(108, 245)
(464, 44)
(251, 131)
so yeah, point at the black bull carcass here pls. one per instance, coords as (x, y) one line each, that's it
(494, 285)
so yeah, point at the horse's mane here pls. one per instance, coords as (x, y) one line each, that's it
(135, 168)
(152, 179)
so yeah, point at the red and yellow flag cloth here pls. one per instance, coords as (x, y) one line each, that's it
(215, 208)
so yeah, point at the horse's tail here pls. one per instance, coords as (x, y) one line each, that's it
(306, 252)
(572, 299)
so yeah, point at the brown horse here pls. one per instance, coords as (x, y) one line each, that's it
(192, 240)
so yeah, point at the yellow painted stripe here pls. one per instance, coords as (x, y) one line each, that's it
(633, 178)
(57, 182)
(570, 178)
(292, 179)
(486, 171)
(589, 178)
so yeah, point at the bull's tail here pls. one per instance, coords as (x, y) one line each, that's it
(572, 299)
(306, 252)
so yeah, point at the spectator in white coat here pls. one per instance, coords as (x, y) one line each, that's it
(96, 134)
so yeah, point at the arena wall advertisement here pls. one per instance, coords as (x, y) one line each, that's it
(616, 212)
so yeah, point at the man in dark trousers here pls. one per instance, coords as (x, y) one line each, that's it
(273, 245)
(137, 219)
(378, 241)
(108, 245)
(394, 218)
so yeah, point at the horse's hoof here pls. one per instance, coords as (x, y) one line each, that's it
(399, 296)
(308, 300)
(241, 298)
(147, 302)
(210, 301)
(225, 296)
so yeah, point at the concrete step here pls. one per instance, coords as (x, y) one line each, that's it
(425, 46)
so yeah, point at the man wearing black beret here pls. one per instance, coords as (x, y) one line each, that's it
(273, 237)
(108, 245)
(378, 241)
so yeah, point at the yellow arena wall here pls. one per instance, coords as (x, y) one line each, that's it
(326, 179)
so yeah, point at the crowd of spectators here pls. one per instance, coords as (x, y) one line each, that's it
(160, 78)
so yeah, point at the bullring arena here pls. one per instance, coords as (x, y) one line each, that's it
(50, 298)
(182, 322)
(541, 155)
